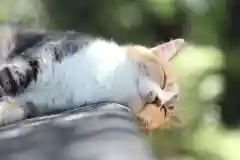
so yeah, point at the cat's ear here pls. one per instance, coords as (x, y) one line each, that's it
(169, 49)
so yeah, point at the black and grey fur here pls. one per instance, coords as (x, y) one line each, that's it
(22, 53)
(22, 50)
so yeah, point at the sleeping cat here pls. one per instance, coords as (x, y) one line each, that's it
(99, 71)
(129, 75)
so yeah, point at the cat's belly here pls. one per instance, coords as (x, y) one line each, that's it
(84, 78)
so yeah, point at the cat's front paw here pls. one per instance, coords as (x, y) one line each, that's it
(163, 100)
(151, 93)
(151, 97)
(10, 111)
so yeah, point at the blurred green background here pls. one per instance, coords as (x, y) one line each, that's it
(208, 67)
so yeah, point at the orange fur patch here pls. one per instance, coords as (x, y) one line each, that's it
(151, 117)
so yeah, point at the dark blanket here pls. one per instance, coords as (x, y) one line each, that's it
(106, 132)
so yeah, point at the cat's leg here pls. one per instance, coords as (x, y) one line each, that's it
(11, 111)
(137, 105)
(15, 75)
(152, 93)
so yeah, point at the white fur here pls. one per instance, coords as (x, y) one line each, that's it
(99, 72)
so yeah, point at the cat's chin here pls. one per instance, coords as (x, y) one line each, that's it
(150, 118)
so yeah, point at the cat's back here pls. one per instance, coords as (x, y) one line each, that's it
(98, 61)
(100, 71)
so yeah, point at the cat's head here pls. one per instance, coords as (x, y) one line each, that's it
(165, 53)
(156, 62)
(164, 75)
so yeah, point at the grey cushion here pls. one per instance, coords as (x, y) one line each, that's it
(103, 132)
